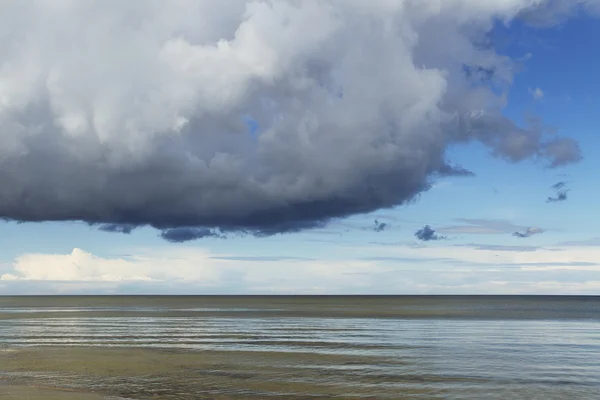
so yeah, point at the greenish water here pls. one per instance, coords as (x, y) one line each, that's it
(261, 347)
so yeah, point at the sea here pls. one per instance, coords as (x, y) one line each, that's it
(300, 347)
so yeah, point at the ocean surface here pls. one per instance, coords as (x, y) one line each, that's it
(300, 347)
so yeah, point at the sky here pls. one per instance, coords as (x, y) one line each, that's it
(315, 147)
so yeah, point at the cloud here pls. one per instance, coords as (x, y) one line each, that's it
(250, 116)
(482, 226)
(413, 260)
(380, 226)
(400, 269)
(561, 192)
(560, 265)
(562, 151)
(441, 184)
(552, 12)
(471, 259)
(427, 234)
(81, 266)
(261, 258)
(588, 242)
(119, 228)
(528, 232)
(560, 196)
(537, 93)
(499, 247)
(454, 170)
(189, 270)
(559, 185)
(180, 235)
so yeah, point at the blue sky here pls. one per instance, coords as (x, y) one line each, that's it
(557, 83)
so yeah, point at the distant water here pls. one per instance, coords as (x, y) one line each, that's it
(345, 347)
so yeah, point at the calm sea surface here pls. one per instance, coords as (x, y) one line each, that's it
(264, 347)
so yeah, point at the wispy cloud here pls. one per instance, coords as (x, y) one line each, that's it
(537, 93)
(440, 184)
(560, 196)
(499, 247)
(528, 232)
(593, 242)
(559, 185)
(398, 259)
(261, 258)
(481, 226)
(454, 170)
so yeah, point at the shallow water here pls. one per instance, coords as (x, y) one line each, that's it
(300, 347)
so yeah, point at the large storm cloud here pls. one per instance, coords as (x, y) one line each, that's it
(252, 116)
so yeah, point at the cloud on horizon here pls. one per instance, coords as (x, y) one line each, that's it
(200, 119)
(401, 269)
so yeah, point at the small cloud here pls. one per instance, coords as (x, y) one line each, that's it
(559, 185)
(536, 93)
(180, 235)
(380, 226)
(560, 196)
(528, 232)
(427, 234)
